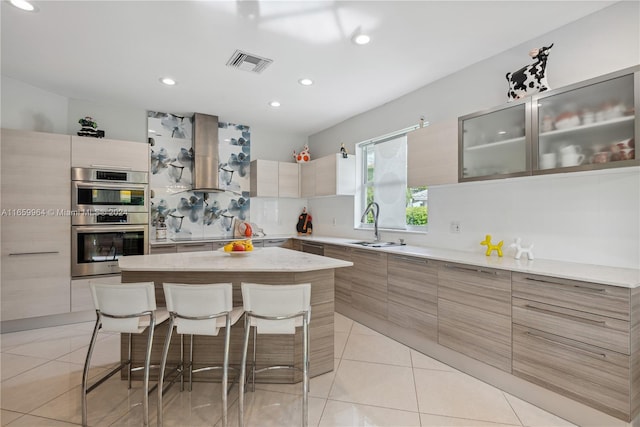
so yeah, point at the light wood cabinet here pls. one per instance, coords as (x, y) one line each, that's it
(412, 286)
(331, 175)
(432, 155)
(308, 179)
(81, 299)
(195, 247)
(36, 247)
(163, 249)
(577, 338)
(369, 282)
(288, 180)
(264, 178)
(109, 154)
(274, 179)
(474, 312)
(342, 276)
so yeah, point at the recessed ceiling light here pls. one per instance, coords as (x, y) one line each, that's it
(167, 81)
(305, 82)
(24, 5)
(361, 39)
(274, 104)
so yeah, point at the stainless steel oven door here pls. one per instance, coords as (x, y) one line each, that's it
(108, 198)
(96, 249)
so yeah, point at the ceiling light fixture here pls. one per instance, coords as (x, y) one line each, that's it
(305, 82)
(23, 5)
(167, 81)
(361, 39)
(274, 104)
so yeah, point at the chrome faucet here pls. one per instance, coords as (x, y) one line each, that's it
(376, 213)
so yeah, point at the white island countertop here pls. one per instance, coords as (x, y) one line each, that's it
(615, 276)
(259, 260)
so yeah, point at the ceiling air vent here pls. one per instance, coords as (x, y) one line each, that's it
(248, 62)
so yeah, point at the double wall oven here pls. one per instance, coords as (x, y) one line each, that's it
(109, 218)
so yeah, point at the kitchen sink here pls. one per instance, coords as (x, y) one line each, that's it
(377, 244)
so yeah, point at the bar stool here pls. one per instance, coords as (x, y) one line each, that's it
(276, 309)
(199, 310)
(125, 308)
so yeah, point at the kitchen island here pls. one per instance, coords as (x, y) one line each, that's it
(274, 266)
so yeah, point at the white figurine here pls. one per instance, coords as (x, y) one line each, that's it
(522, 250)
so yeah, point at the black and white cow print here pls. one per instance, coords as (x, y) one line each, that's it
(530, 79)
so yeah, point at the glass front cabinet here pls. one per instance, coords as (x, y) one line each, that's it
(495, 143)
(585, 126)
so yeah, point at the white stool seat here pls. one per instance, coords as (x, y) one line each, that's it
(276, 309)
(199, 310)
(124, 308)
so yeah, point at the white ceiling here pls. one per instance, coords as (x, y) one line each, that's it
(114, 52)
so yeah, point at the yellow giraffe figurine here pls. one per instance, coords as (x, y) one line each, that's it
(491, 247)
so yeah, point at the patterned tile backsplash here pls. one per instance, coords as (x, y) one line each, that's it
(195, 214)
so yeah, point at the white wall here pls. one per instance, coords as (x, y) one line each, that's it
(30, 108)
(118, 122)
(580, 217)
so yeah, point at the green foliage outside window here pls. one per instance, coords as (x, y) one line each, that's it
(417, 215)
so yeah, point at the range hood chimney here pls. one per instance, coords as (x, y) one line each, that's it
(205, 151)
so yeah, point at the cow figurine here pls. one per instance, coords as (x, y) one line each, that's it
(303, 156)
(530, 79)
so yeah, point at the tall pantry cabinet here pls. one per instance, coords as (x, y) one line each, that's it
(34, 227)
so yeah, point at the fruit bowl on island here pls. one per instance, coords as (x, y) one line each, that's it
(238, 247)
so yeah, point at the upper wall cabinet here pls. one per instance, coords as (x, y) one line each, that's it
(495, 143)
(585, 126)
(589, 125)
(432, 155)
(274, 179)
(109, 153)
(331, 175)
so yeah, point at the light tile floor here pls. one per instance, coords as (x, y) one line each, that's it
(376, 382)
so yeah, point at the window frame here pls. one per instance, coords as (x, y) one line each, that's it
(364, 183)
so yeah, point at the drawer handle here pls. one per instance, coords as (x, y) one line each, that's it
(194, 245)
(475, 270)
(569, 346)
(568, 316)
(33, 253)
(582, 288)
(410, 259)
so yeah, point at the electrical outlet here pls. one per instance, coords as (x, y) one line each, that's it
(454, 227)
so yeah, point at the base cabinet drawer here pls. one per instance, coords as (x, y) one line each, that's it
(589, 328)
(474, 312)
(609, 301)
(592, 375)
(342, 276)
(412, 287)
(369, 282)
(476, 333)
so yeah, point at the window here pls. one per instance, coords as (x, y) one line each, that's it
(383, 171)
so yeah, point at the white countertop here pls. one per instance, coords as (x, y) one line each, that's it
(623, 277)
(276, 259)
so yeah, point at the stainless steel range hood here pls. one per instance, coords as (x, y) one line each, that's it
(205, 153)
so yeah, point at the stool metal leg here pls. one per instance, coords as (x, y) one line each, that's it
(147, 363)
(163, 364)
(243, 371)
(181, 362)
(305, 370)
(85, 372)
(225, 368)
(190, 363)
(129, 362)
(254, 365)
